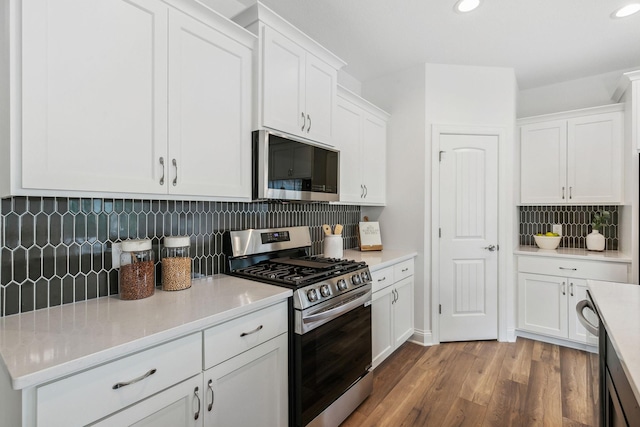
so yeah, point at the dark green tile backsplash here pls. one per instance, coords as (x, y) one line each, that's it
(575, 220)
(58, 250)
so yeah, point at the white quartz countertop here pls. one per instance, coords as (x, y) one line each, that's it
(46, 344)
(618, 305)
(577, 253)
(377, 260)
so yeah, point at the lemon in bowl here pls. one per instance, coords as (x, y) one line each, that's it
(548, 240)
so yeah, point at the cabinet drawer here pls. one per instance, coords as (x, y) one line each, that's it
(382, 278)
(224, 341)
(90, 395)
(595, 270)
(402, 270)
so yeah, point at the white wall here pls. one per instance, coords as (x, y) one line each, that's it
(417, 99)
(402, 221)
(570, 95)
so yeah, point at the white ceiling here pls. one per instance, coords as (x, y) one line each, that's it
(545, 41)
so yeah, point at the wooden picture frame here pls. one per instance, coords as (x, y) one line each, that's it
(369, 236)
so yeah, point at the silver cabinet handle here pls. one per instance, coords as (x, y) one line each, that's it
(135, 380)
(571, 192)
(175, 165)
(397, 295)
(197, 414)
(212, 395)
(309, 118)
(562, 193)
(162, 164)
(304, 122)
(566, 268)
(571, 289)
(361, 191)
(366, 191)
(383, 279)
(405, 269)
(244, 334)
(393, 292)
(564, 288)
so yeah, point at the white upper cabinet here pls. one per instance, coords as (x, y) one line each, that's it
(297, 78)
(361, 136)
(94, 95)
(573, 158)
(209, 111)
(133, 97)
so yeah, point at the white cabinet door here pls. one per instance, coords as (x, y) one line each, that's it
(403, 311)
(178, 406)
(209, 111)
(594, 163)
(577, 332)
(374, 160)
(382, 339)
(94, 96)
(348, 134)
(542, 304)
(250, 389)
(283, 75)
(543, 170)
(320, 99)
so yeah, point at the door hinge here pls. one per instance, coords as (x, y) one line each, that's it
(439, 308)
(440, 156)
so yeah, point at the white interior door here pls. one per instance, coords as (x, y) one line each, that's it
(468, 256)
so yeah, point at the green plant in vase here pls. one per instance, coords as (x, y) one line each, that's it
(595, 240)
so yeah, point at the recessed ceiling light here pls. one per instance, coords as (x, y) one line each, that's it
(627, 10)
(466, 5)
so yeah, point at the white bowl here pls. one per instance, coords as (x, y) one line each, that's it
(547, 242)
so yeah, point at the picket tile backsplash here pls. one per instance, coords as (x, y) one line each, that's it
(575, 221)
(58, 250)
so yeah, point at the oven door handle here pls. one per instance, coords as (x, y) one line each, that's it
(352, 303)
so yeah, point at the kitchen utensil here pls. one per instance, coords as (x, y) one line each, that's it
(337, 229)
(327, 230)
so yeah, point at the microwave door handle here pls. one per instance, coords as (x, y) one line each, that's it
(583, 320)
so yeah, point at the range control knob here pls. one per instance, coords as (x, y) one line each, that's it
(365, 276)
(342, 285)
(356, 279)
(312, 295)
(325, 291)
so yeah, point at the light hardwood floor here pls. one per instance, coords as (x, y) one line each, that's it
(483, 383)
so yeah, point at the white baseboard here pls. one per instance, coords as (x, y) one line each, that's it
(557, 341)
(423, 338)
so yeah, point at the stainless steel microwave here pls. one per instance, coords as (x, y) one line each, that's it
(286, 168)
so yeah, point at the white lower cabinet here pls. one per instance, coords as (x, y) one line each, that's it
(547, 300)
(249, 389)
(391, 309)
(234, 373)
(178, 406)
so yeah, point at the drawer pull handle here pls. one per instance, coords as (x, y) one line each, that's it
(135, 380)
(212, 396)
(244, 334)
(197, 414)
(383, 279)
(565, 268)
(405, 269)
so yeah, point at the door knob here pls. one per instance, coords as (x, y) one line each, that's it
(490, 248)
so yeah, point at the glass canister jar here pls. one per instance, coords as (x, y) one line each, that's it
(137, 269)
(176, 263)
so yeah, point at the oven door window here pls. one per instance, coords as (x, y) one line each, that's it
(329, 359)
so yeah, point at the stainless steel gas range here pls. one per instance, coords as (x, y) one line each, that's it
(330, 320)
